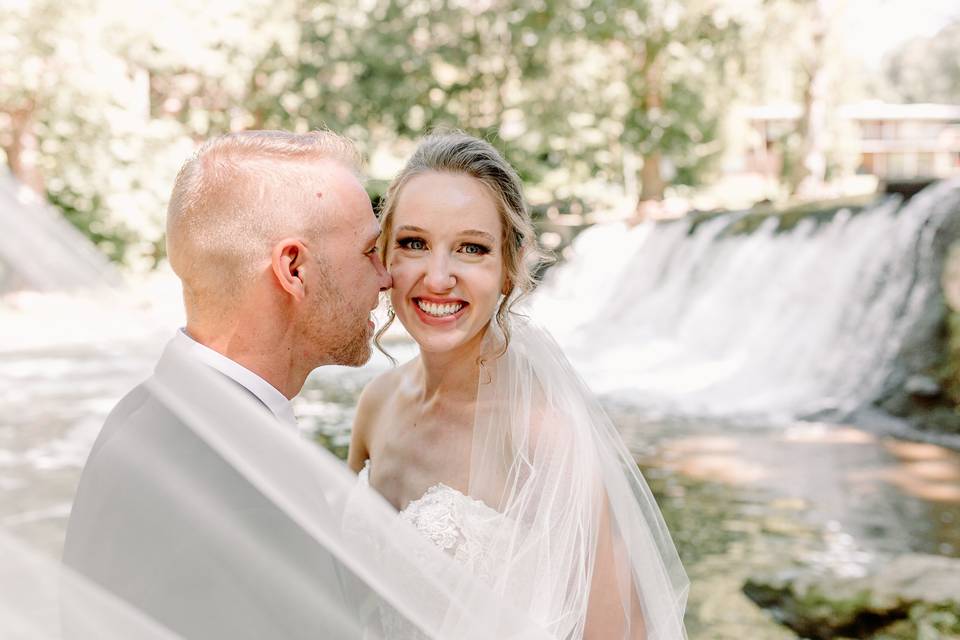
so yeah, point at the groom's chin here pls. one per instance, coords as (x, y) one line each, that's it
(356, 355)
(363, 358)
(352, 350)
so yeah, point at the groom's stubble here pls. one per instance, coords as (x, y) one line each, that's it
(341, 323)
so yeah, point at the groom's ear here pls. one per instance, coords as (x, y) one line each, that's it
(287, 261)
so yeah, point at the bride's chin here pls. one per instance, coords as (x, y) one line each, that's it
(434, 342)
(431, 341)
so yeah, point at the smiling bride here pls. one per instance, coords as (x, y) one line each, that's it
(487, 442)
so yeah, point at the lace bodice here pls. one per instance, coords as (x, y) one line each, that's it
(460, 525)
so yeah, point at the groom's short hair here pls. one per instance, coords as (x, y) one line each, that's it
(235, 195)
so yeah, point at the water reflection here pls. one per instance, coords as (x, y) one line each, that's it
(890, 495)
(925, 471)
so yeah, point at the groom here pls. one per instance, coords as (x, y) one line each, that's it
(273, 238)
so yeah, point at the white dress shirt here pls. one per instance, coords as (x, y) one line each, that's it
(276, 402)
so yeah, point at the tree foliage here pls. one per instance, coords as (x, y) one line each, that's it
(927, 69)
(568, 87)
(103, 99)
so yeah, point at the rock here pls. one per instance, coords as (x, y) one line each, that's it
(922, 387)
(917, 578)
(924, 356)
(944, 421)
(911, 597)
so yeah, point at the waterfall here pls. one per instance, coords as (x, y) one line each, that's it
(684, 318)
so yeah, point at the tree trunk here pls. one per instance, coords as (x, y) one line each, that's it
(651, 181)
(810, 178)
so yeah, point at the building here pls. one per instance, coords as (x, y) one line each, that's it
(894, 141)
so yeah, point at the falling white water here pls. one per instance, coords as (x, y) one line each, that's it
(769, 324)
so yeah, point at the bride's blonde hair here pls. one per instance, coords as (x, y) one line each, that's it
(457, 152)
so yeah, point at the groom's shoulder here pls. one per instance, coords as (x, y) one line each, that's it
(139, 405)
(131, 402)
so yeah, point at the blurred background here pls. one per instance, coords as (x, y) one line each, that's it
(755, 205)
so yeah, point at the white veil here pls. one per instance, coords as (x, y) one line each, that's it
(31, 607)
(285, 524)
(581, 551)
(584, 548)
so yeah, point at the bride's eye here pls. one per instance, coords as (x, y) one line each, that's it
(416, 244)
(474, 249)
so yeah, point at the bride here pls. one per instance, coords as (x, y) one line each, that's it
(487, 442)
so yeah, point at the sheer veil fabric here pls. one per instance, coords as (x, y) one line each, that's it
(579, 551)
(31, 606)
(582, 547)
(278, 514)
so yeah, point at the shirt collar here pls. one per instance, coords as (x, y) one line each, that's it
(276, 402)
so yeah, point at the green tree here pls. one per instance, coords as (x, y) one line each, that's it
(389, 71)
(927, 69)
(67, 107)
(565, 86)
(799, 59)
(672, 64)
(100, 102)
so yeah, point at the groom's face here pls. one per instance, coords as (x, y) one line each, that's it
(348, 284)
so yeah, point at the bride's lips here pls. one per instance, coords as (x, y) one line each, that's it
(426, 318)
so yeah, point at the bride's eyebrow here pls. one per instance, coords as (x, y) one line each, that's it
(476, 233)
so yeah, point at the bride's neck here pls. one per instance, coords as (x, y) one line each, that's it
(451, 375)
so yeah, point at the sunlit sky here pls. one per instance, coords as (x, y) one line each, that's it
(874, 27)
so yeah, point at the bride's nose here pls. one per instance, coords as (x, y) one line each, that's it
(439, 276)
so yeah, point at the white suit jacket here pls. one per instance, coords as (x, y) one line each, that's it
(159, 517)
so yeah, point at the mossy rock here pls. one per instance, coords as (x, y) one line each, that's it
(831, 609)
(787, 218)
(924, 623)
(913, 596)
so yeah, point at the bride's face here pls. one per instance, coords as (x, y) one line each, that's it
(445, 257)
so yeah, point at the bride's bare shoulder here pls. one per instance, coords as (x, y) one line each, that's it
(383, 388)
(379, 393)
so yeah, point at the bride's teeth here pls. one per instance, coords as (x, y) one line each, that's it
(439, 310)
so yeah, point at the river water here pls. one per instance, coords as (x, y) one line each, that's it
(745, 484)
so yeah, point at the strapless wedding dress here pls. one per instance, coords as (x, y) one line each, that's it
(461, 526)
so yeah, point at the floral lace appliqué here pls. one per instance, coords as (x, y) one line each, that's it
(460, 525)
